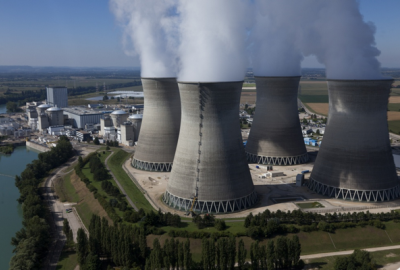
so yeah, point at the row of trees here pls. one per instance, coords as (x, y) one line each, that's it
(98, 169)
(299, 217)
(32, 241)
(24, 96)
(267, 224)
(126, 246)
(209, 220)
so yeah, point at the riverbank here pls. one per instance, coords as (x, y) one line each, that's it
(11, 211)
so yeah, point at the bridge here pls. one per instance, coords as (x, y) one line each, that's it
(6, 175)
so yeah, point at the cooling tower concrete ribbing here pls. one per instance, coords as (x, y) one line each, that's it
(160, 125)
(275, 136)
(355, 160)
(210, 159)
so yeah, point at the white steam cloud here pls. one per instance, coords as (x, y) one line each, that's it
(212, 40)
(276, 50)
(341, 39)
(214, 35)
(333, 31)
(150, 31)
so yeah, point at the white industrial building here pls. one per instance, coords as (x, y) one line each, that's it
(80, 116)
(119, 127)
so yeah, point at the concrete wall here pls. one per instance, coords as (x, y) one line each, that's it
(276, 132)
(127, 134)
(37, 147)
(210, 156)
(160, 126)
(355, 153)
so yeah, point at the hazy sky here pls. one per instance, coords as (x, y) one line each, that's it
(84, 33)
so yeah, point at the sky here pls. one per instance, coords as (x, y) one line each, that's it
(84, 33)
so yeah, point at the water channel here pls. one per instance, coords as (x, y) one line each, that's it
(3, 108)
(10, 210)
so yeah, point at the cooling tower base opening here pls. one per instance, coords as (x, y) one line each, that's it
(217, 207)
(152, 166)
(278, 161)
(355, 195)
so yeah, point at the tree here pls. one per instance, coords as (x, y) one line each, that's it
(92, 262)
(242, 252)
(297, 250)
(187, 256)
(96, 141)
(271, 255)
(12, 106)
(82, 246)
(105, 97)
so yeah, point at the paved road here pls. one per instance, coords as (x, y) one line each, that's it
(119, 185)
(57, 210)
(347, 252)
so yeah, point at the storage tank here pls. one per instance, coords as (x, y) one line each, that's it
(118, 117)
(210, 162)
(355, 161)
(160, 126)
(56, 117)
(276, 137)
(42, 108)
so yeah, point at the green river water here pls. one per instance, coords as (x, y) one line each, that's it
(10, 210)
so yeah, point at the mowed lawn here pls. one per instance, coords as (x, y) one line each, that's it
(115, 164)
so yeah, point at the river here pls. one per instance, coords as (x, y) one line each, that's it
(3, 108)
(10, 210)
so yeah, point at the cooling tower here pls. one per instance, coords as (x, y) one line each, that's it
(355, 160)
(210, 162)
(160, 125)
(275, 136)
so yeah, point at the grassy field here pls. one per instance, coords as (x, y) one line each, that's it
(68, 260)
(65, 190)
(97, 184)
(394, 107)
(115, 164)
(310, 205)
(394, 126)
(88, 204)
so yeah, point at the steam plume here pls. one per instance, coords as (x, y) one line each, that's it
(150, 31)
(214, 35)
(333, 31)
(275, 35)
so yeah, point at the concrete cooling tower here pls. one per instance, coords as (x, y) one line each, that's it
(355, 160)
(210, 162)
(275, 136)
(160, 125)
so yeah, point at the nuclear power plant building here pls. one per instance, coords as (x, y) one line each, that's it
(160, 126)
(210, 167)
(359, 167)
(57, 96)
(276, 137)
